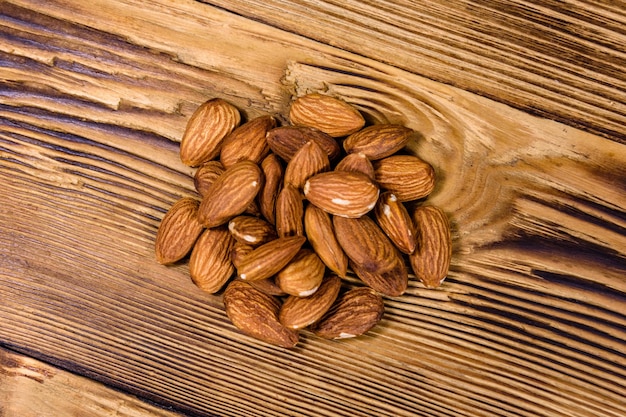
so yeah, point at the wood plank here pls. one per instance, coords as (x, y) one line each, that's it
(530, 321)
(558, 59)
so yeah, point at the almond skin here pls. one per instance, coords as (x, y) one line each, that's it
(206, 175)
(407, 176)
(231, 194)
(321, 234)
(328, 114)
(256, 314)
(289, 212)
(300, 312)
(392, 281)
(206, 130)
(285, 141)
(346, 194)
(356, 162)
(308, 161)
(251, 230)
(395, 220)
(247, 142)
(353, 314)
(210, 264)
(269, 258)
(378, 141)
(303, 275)
(178, 231)
(431, 260)
(273, 173)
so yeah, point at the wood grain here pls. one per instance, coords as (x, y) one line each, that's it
(95, 96)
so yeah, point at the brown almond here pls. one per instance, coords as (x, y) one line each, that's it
(273, 173)
(390, 281)
(269, 258)
(178, 231)
(431, 260)
(300, 312)
(342, 193)
(308, 161)
(268, 286)
(206, 130)
(321, 235)
(251, 230)
(206, 175)
(406, 176)
(331, 115)
(238, 252)
(210, 264)
(354, 313)
(356, 162)
(230, 194)
(378, 141)
(303, 275)
(247, 142)
(285, 141)
(395, 220)
(365, 244)
(289, 212)
(256, 314)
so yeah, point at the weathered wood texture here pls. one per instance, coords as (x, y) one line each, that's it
(94, 98)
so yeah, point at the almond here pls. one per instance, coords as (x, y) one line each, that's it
(395, 220)
(247, 142)
(353, 314)
(285, 141)
(300, 312)
(268, 286)
(365, 244)
(206, 175)
(346, 194)
(378, 141)
(210, 264)
(356, 162)
(251, 230)
(238, 252)
(431, 260)
(321, 235)
(289, 212)
(269, 258)
(390, 281)
(206, 130)
(256, 314)
(406, 176)
(308, 161)
(178, 231)
(302, 275)
(273, 174)
(230, 194)
(328, 114)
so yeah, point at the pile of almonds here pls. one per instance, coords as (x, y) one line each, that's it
(290, 209)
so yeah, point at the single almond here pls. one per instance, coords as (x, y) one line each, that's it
(394, 219)
(247, 142)
(331, 115)
(378, 141)
(205, 176)
(431, 260)
(230, 194)
(354, 313)
(273, 173)
(178, 231)
(268, 286)
(251, 230)
(285, 141)
(239, 251)
(256, 314)
(406, 176)
(365, 244)
(269, 258)
(303, 275)
(289, 212)
(356, 162)
(321, 235)
(342, 193)
(390, 281)
(206, 130)
(300, 312)
(210, 264)
(308, 161)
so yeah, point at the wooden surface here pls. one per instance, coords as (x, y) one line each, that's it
(531, 321)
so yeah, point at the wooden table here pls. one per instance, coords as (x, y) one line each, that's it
(522, 110)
